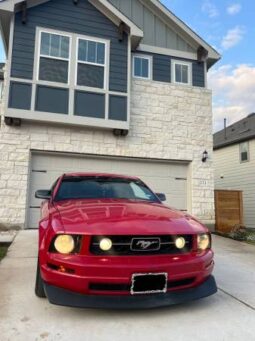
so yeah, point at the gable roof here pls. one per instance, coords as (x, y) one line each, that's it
(9, 6)
(240, 131)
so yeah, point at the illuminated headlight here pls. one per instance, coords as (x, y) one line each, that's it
(64, 244)
(105, 244)
(203, 241)
(180, 242)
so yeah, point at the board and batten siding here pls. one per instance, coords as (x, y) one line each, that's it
(156, 32)
(230, 174)
(63, 15)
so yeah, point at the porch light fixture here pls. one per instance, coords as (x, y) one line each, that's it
(205, 156)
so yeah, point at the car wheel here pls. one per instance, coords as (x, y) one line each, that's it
(39, 288)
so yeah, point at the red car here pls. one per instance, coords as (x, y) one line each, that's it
(107, 241)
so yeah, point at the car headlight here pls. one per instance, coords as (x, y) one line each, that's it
(203, 241)
(64, 244)
(105, 244)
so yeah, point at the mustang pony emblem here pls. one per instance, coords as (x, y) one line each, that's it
(144, 244)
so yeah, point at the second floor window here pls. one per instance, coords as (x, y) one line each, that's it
(244, 152)
(91, 63)
(142, 67)
(54, 58)
(181, 72)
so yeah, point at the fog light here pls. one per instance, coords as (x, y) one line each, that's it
(203, 241)
(180, 242)
(64, 243)
(105, 244)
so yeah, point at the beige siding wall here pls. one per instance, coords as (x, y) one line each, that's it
(231, 174)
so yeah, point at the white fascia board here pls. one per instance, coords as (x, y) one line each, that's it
(212, 53)
(167, 52)
(116, 16)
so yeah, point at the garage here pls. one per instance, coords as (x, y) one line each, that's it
(162, 176)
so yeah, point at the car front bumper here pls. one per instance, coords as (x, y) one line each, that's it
(64, 297)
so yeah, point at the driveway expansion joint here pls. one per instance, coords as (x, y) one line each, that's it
(237, 299)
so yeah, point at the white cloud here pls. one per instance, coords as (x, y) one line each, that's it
(209, 8)
(233, 93)
(234, 9)
(233, 37)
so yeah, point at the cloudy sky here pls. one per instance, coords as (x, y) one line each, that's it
(229, 27)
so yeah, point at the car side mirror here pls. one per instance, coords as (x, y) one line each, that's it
(43, 194)
(161, 196)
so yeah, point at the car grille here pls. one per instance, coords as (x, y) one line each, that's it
(141, 245)
(126, 287)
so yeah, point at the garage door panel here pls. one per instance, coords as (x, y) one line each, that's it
(161, 177)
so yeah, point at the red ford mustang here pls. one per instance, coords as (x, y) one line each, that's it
(107, 241)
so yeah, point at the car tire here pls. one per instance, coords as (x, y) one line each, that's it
(39, 287)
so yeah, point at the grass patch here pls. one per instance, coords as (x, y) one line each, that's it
(3, 251)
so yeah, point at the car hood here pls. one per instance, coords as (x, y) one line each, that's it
(124, 217)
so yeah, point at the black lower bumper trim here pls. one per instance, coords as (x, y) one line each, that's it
(72, 299)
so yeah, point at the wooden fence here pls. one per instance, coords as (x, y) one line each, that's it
(228, 210)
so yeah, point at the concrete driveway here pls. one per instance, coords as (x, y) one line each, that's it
(228, 315)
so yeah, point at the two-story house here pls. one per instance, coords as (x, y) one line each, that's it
(94, 85)
(234, 162)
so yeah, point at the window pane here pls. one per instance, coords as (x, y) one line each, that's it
(64, 47)
(138, 67)
(83, 47)
(90, 75)
(244, 151)
(178, 73)
(53, 70)
(184, 74)
(100, 53)
(145, 68)
(55, 45)
(45, 43)
(91, 51)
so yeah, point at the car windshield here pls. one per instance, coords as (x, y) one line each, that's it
(103, 188)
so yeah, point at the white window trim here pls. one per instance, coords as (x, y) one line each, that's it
(143, 56)
(70, 118)
(248, 152)
(106, 64)
(39, 55)
(173, 75)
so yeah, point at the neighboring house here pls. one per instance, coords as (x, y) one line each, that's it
(114, 86)
(234, 162)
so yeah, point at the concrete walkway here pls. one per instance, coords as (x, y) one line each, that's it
(228, 315)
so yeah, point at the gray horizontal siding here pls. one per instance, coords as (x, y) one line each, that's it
(161, 68)
(198, 74)
(63, 15)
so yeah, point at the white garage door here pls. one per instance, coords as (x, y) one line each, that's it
(164, 177)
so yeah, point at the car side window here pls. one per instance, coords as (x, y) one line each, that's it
(140, 192)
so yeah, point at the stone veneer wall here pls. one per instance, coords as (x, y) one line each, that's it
(167, 121)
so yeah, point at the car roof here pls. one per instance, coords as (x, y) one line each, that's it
(108, 175)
